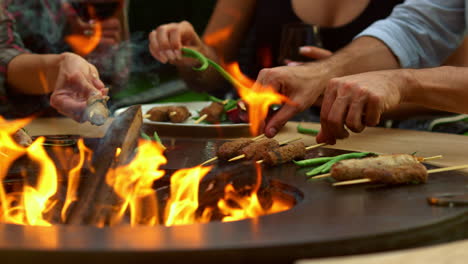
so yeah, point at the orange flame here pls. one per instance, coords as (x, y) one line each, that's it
(134, 182)
(258, 97)
(74, 178)
(183, 203)
(29, 206)
(247, 206)
(84, 45)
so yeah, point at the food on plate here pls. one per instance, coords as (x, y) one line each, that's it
(389, 169)
(213, 112)
(174, 114)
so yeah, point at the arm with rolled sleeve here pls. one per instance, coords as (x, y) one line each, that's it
(422, 33)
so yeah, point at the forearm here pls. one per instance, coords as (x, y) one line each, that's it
(443, 88)
(362, 55)
(33, 74)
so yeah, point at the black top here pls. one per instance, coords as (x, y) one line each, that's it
(262, 45)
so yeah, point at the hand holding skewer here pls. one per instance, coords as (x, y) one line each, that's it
(79, 93)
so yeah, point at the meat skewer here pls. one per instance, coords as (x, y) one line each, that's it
(174, 114)
(213, 112)
(244, 155)
(381, 179)
(296, 150)
(231, 148)
(352, 169)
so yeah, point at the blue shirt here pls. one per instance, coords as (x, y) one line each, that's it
(422, 33)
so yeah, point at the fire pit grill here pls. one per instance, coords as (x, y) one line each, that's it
(327, 222)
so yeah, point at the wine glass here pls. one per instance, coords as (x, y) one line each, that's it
(294, 36)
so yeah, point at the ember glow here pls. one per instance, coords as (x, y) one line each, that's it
(259, 98)
(137, 201)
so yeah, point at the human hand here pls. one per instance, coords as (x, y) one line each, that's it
(311, 52)
(77, 80)
(302, 84)
(358, 101)
(167, 40)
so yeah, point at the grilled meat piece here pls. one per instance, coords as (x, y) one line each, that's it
(22, 138)
(213, 112)
(232, 148)
(406, 173)
(158, 114)
(178, 114)
(368, 167)
(174, 114)
(256, 150)
(296, 150)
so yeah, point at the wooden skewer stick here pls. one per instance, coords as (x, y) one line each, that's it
(237, 158)
(209, 161)
(316, 146)
(429, 171)
(258, 137)
(147, 116)
(225, 101)
(199, 120)
(329, 174)
(216, 158)
(281, 143)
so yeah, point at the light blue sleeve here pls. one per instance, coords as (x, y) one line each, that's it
(422, 33)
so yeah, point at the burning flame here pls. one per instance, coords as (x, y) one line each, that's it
(28, 207)
(84, 45)
(246, 206)
(183, 203)
(132, 183)
(74, 178)
(258, 97)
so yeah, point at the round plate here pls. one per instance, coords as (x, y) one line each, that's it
(189, 128)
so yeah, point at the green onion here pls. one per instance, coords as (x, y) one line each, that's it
(312, 162)
(205, 62)
(145, 136)
(325, 168)
(307, 131)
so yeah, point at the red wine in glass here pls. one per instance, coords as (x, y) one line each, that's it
(96, 9)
